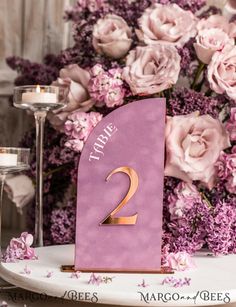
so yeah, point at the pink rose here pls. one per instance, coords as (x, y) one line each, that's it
(193, 145)
(218, 22)
(222, 71)
(180, 261)
(76, 79)
(166, 24)
(208, 41)
(152, 69)
(112, 36)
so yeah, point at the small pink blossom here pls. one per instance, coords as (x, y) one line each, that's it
(75, 275)
(176, 282)
(20, 248)
(26, 270)
(78, 127)
(143, 284)
(92, 5)
(226, 170)
(106, 87)
(49, 274)
(231, 125)
(184, 196)
(95, 279)
(180, 261)
(4, 304)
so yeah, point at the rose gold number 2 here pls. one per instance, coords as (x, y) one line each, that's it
(124, 220)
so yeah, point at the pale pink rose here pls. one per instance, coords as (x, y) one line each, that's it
(222, 72)
(193, 145)
(112, 36)
(180, 261)
(166, 24)
(219, 22)
(76, 80)
(208, 41)
(152, 69)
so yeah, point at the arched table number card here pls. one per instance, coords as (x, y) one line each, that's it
(120, 191)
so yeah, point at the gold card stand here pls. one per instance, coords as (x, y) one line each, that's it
(162, 270)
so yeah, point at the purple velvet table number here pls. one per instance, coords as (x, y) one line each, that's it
(120, 191)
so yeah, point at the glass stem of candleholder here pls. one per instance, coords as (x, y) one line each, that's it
(2, 178)
(40, 117)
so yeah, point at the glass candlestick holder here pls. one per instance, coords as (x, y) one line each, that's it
(40, 100)
(12, 160)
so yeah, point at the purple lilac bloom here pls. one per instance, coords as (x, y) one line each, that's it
(231, 125)
(185, 101)
(63, 224)
(189, 233)
(188, 62)
(219, 232)
(32, 73)
(192, 5)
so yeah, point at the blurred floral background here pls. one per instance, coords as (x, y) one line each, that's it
(29, 29)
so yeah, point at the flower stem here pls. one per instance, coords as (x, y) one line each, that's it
(198, 74)
(206, 200)
(55, 170)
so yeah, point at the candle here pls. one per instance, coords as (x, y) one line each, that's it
(39, 97)
(7, 159)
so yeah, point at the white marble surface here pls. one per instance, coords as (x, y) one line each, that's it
(216, 275)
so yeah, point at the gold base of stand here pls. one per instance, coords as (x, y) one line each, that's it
(162, 270)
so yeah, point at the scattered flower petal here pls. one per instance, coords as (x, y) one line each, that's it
(26, 270)
(49, 274)
(143, 284)
(75, 275)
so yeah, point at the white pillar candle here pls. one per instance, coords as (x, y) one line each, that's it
(39, 97)
(8, 159)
